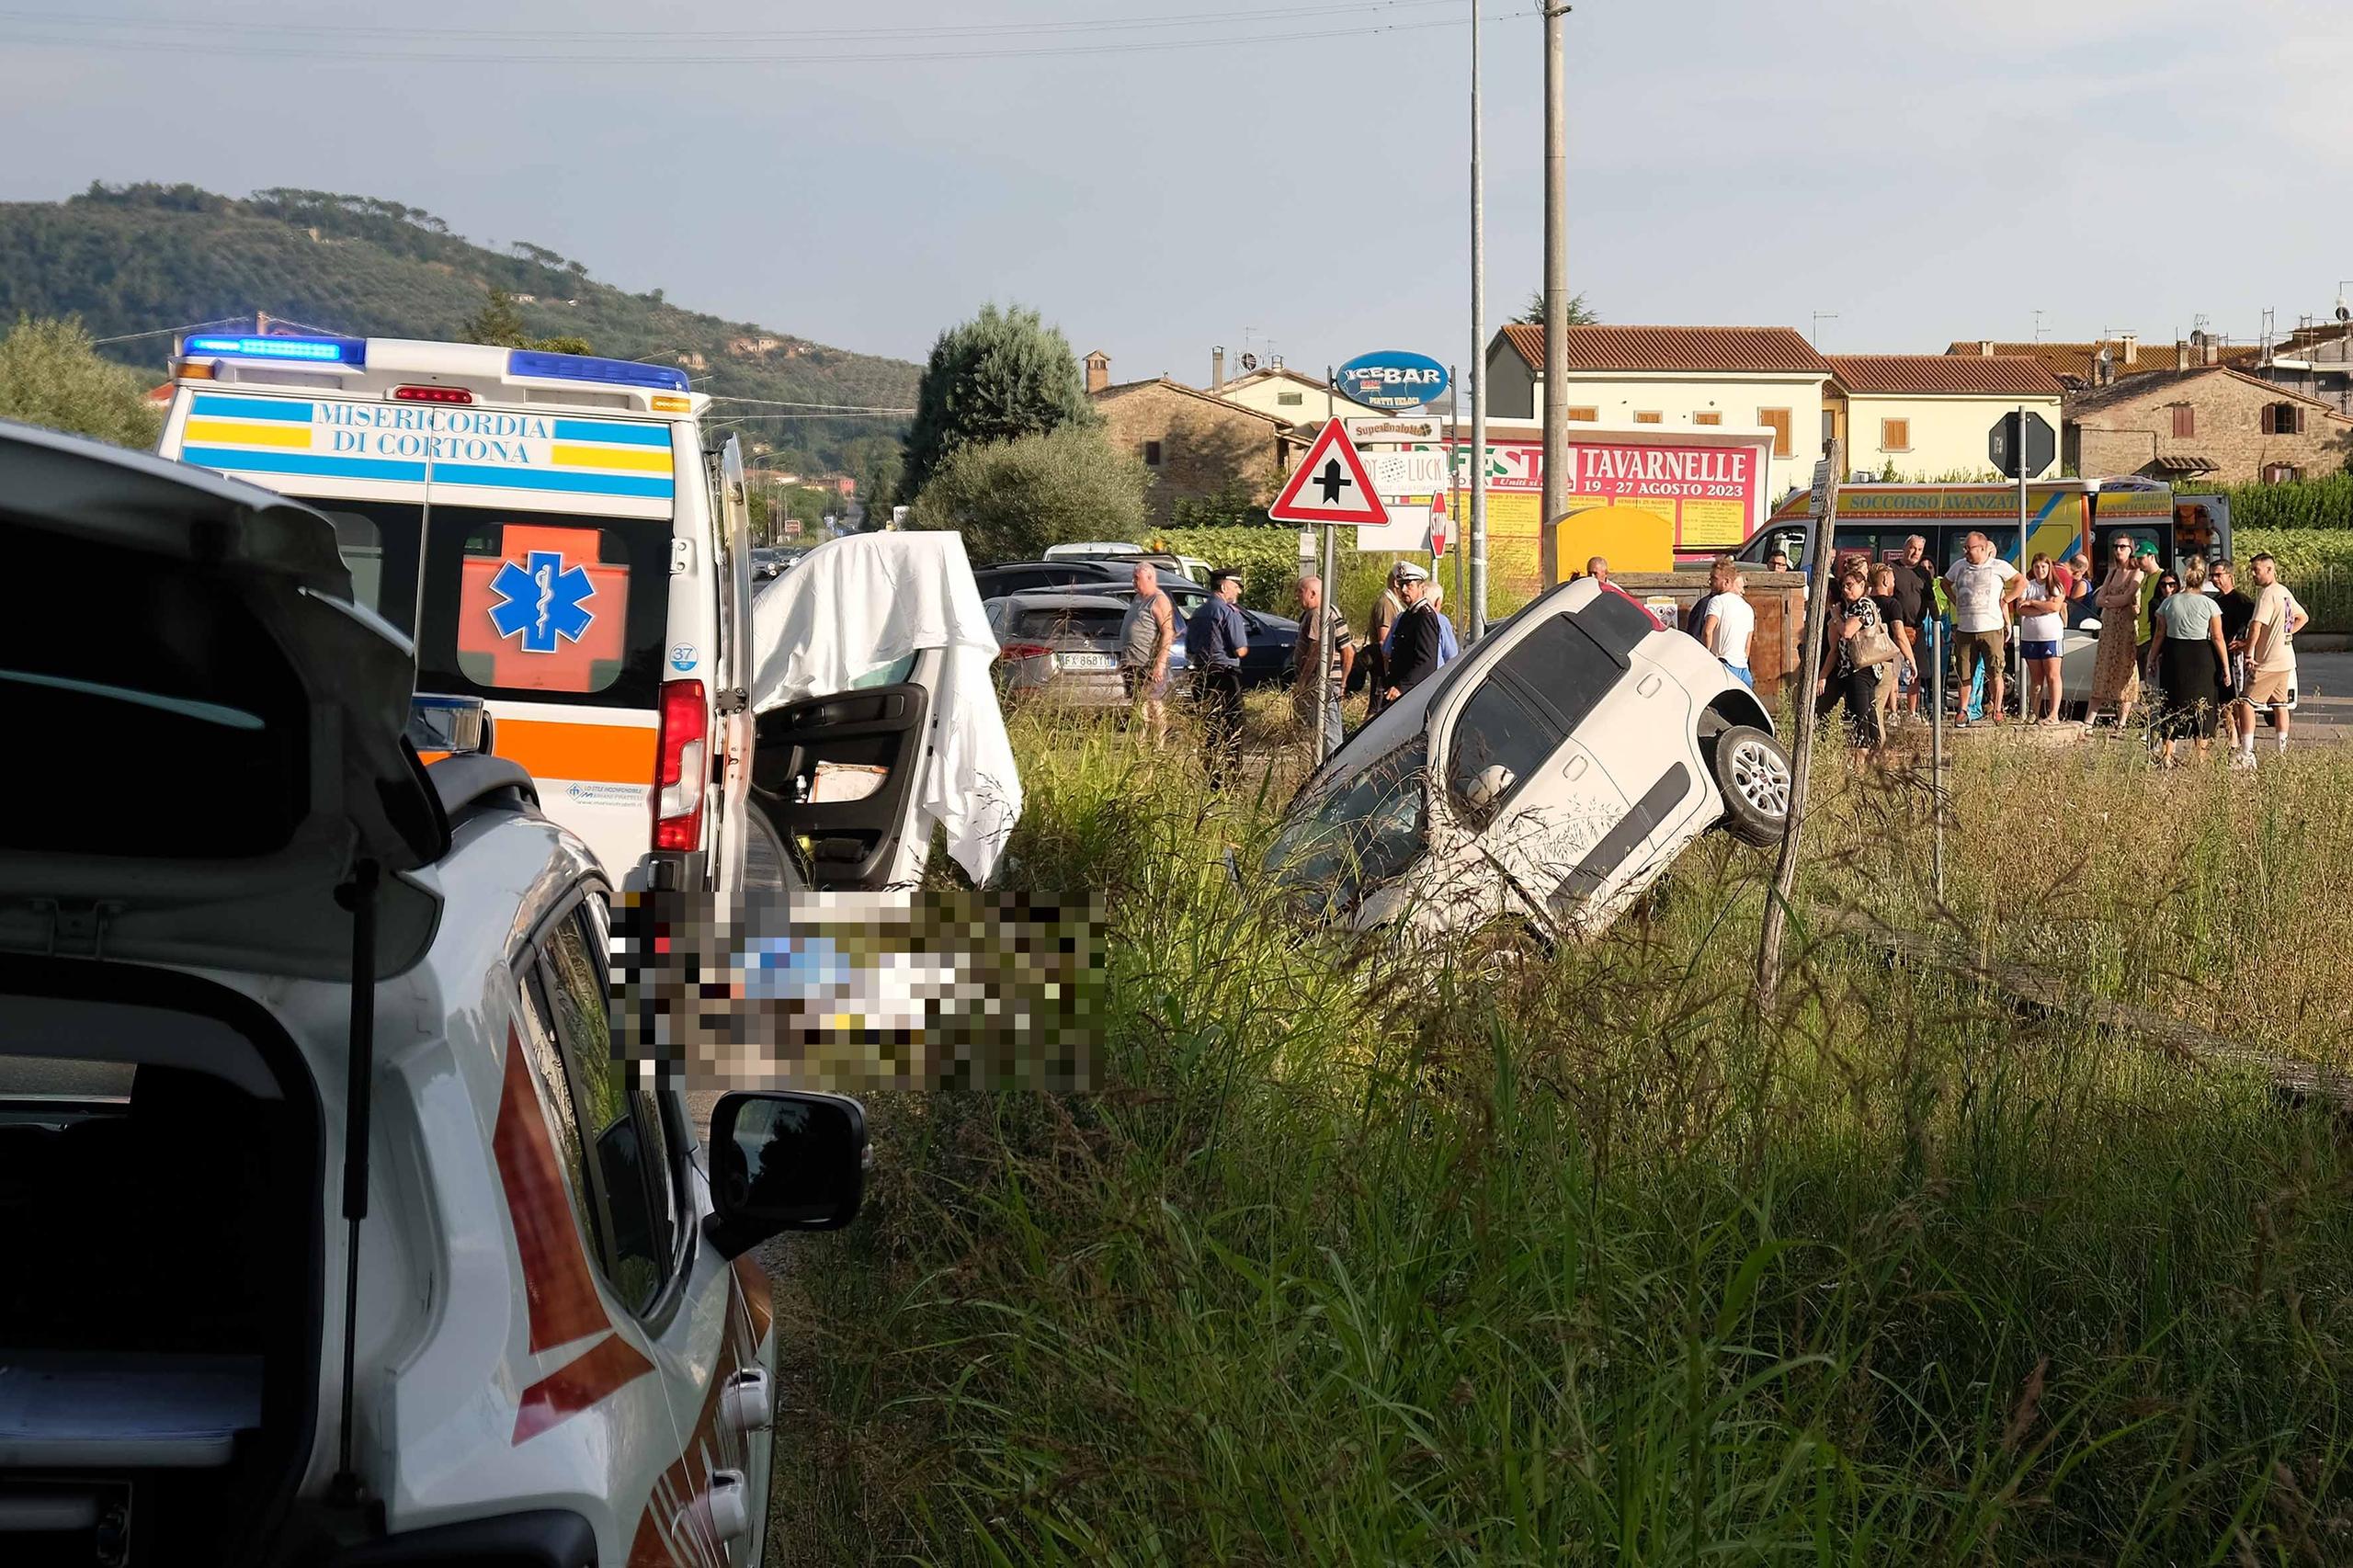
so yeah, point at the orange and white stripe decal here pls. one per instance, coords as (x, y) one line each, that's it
(560, 1294)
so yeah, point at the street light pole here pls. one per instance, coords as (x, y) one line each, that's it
(1556, 299)
(1477, 467)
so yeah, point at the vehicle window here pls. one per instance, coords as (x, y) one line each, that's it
(1084, 622)
(899, 671)
(536, 1022)
(630, 1179)
(1559, 667)
(600, 644)
(1363, 830)
(1497, 728)
(1616, 622)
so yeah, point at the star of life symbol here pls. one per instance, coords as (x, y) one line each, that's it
(542, 600)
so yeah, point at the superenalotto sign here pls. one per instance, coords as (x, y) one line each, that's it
(1392, 379)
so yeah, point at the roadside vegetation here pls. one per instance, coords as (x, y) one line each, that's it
(51, 376)
(1363, 1256)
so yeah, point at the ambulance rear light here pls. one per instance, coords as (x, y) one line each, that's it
(682, 759)
(351, 351)
(532, 362)
(661, 402)
(432, 394)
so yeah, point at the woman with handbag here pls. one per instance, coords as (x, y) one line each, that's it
(1857, 648)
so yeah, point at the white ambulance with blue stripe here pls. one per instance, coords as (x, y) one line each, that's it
(558, 534)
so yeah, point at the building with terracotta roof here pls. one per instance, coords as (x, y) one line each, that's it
(2213, 423)
(1737, 377)
(1926, 416)
(2078, 364)
(1196, 444)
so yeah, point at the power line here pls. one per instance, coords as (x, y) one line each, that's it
(784, 402)
(518, 35)
(641, 61)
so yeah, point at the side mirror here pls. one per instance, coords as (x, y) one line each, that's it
(1494, 781)
(782, 1160)
(2089, 623)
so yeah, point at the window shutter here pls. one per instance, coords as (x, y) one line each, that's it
(1709, 416)
(1895, 434)
(2270, 418)
(1777, 421)
(1648, 416)
(1584, 415)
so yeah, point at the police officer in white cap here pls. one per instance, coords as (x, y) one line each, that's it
(1414, 645)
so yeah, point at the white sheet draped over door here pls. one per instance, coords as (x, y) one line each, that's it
(855, 605)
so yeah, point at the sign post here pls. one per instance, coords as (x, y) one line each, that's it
(2021, 445)
(1328, 489)
(1819, 564)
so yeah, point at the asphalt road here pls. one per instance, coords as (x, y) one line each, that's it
(2325, 702)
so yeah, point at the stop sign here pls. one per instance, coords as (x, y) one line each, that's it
(1437, 531)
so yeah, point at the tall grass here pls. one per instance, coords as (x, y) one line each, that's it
(1369, 1255)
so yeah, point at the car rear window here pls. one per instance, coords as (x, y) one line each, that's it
(516, 604)
(1083, 621)
(1499, 727)
(1560, 666)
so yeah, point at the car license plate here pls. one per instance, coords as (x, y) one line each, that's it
(1087, 662)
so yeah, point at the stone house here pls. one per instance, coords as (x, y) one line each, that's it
(1196, 444)
(2214, 424)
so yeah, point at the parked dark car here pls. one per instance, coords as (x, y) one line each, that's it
(1267, 655)
(1087, 576)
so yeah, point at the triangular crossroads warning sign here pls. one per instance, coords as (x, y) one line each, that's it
(1330, 485)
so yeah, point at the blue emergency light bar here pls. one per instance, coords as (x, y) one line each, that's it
(311, 350)
(586, 368)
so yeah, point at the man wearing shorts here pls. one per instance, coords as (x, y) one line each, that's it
(1983, 587)
(2238, 613)
(2272, 650)
(1146, 634)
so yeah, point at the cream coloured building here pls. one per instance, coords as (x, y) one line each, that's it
(1286, 395)
(1927, 415)
(1735, 377)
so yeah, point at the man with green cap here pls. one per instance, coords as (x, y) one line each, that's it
(2144, 561)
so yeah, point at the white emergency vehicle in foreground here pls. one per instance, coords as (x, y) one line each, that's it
(336, 1235)
(1548, 776)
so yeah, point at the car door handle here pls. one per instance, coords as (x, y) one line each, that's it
(1575, 769)
(1648, 685)
(727, 1500)
(747, 1403)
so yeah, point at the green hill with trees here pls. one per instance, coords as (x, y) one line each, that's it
(142, 257)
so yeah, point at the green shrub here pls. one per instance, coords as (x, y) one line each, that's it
(2315, 563)
(2307, 503)
(51, 375)
(1011, 499)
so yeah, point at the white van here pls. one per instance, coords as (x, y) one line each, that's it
(559, 534)
(347, 1242)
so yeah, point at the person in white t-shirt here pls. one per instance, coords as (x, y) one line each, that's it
(1983, 586)
(1729, 621)
(2043, 620)
(2272, 650)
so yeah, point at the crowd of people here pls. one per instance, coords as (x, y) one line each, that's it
(2188, 650)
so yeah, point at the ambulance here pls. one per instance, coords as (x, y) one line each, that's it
(561, 536)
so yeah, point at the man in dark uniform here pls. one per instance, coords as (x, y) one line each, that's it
(1413, 646)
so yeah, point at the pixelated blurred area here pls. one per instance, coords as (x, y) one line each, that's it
(853, 993)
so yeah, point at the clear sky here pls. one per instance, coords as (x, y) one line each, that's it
(1926, 170)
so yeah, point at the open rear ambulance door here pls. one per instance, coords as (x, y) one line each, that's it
(835, 777)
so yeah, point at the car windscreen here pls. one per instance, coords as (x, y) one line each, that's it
(1358, 830)
(1084, 621)
(535, 605)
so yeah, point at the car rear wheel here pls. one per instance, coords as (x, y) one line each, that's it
(1753, 776)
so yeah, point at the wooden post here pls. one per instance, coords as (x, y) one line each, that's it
(1821, 561)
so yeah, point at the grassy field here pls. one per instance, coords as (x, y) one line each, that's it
(1362, 1257)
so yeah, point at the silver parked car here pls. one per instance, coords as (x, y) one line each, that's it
(1060, 648)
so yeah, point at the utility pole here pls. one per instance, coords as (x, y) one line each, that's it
(1477, 467)
(1556, 299)
(1821, 563)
